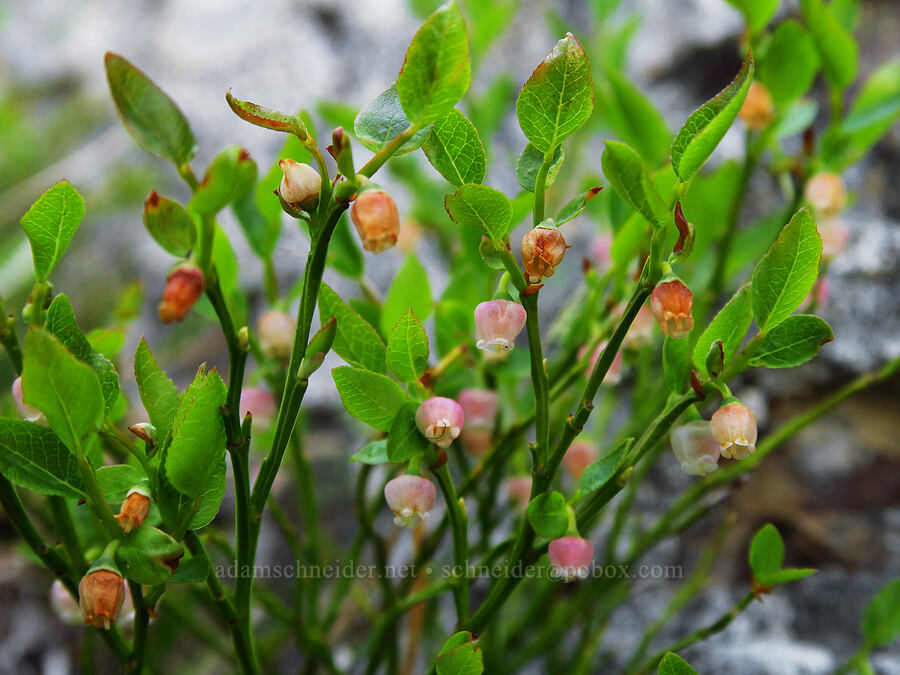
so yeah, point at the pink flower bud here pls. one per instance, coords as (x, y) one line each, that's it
(259, 403)
(410, 498)
(695, 448)
(479, 406)
(758, 109)
(276, 335)
(671, 303)
(826, 194)
(640, 332)
(600, 250)
(477, 439)
(375, 216)
(440, 420)
(578, 457)
(614, 374)
(734, 427)
(497, 323)
(835, 237)
(543, 248)
(571, 558)
(184, 286)
(26, 411)
(301, 182)
(518, 491)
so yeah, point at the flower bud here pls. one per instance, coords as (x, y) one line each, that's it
(835, 237)
(614, 374)
(543, 248)
(26, 411)
(101, 595)
(300, 184)
(695, 448)
(734, 427)
(440, 420)
(479, 406)
(758, 110)
(260, 404)
(826, 194)
(578, 457)
(375, 216)
(671, 303)
(497, 323)
(518, 491)
(640, 332)
(134, 510)
(571, 558)
(184, 286)
(410, 498)
(276, 335)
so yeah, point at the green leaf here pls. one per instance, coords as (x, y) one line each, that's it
(66, 390)
(548, 515)
(793, 342)
(790, 63)
(355, 340)
(371, 398)
(757, 13)
(766, 552)
(676, 364)
(847, 12)
(382, 120)
(150, 116)
(436, 71)
(373, 453)
(116, 481)
(787, 273)
(258, 211)
(148, 556)
(672, 664)
(454, 148)
(407, 349)
(33, 457)
(191, 571)
(838, 49)
(483, 207)
(169, 223)
(404, 440)
(572, 210)
(599, 473)
(230, 175)
(460, 655)
(729, 325)
(635, 118)
(881, 620)
(158, 393)
(60, 322)
(624, 170)
(786, 575)
(409, 290)
(558, 97)
(530, 162)
(707, 125)
(198, 436)
(344, 255)
(50, 224)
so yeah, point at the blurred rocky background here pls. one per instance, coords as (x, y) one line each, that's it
(834, 491)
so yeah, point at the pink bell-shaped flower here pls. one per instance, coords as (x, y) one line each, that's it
(695, 448)
(259, 403)
(276, 334)
(410, 498)
(571, 558)
(498, 323)
(480, 408)
(440, 420)
(578, 457)
(734, 427)
(518, 491)
(671, 303)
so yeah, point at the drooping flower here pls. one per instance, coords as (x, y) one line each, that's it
(300, 183)
(440, 420)
(184, 286)
(276, 334)
(758, 109)
(571, 558)
(695, 448)
(480, 408)
(826, 194)
(671, 303)
(410, 498)
(377, 221)
(498, 323)
(101, 596)
(543, 248)
(578, 457)
(734, 427)
(134, 509)
(518, 491)
(26, 411)
(260, 404)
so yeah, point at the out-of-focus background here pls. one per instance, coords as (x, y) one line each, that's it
(834, 491)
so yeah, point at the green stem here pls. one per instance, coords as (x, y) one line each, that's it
(141, 619)
(310, 514)
(10, 340)
(63, 521)
(460, 544)
(370, 167)
(538, 379)
(95, 498)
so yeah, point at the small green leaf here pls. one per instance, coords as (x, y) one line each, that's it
(116, 481)
(344, 255)
(838, 49)
(787, 273)
(66, 390)
(601, 471)
(624, 170)
(793, 342)
(558, 97)
(409, 290)
(230, 176)
(729, 325)
(572, 210)
(50, 224)
(790, 63)
(454, 148)
(530, 162)
(158, 393)
(169, 223)
(355, 340)
(548, 515)
(407, 349)
(483, 207)
(33, 457)
(672, 664)
(150, 116)
(460, 655)
(373, 453)
(404, 440)
(757, 13)
(436, 71)
(148, 556)
(191, 571)
(881, 620)
(707, 125)
(786, 575)
(676, 364)
(382, 120)
(371, 398)
(766, 552)
(258, 212)
(635, 119)
(267, 118)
